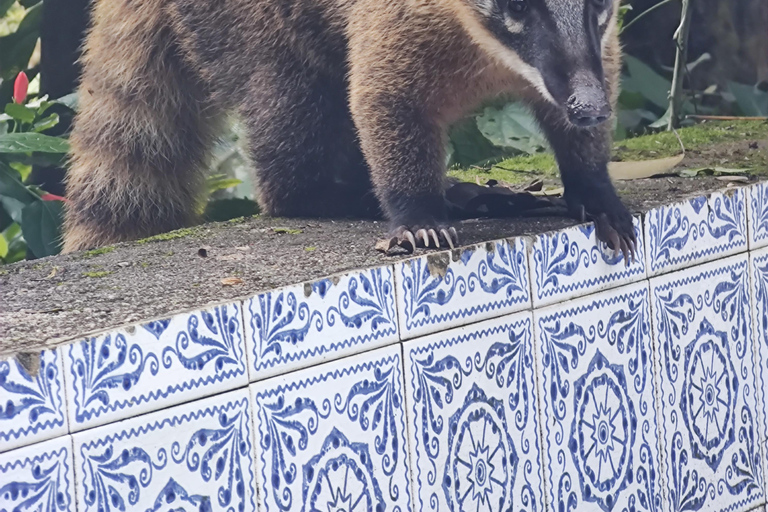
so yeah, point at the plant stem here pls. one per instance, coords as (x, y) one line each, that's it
(681, 58)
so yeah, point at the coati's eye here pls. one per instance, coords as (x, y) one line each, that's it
(600, 4)
(517, 6)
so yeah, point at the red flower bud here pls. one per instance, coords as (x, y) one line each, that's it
(20, 88)
(52, 197)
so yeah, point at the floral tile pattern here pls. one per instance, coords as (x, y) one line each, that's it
(302, 325)
(757, 208)
(696, 231)
(196, 456)
(473, 418)
(332, 437)
(709, 431)
(128, 372)
(32, 405)
(571, 262)
(38, 477)
(600, 440)
(759, 279)
(453, 288)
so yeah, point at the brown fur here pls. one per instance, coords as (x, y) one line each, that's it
(332, 91)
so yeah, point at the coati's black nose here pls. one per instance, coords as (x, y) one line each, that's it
(588, 107)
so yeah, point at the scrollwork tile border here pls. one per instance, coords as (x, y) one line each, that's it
(571, 263)
(197, 455)
(758, 266)
(696, 231)
(302, 325)
(454, 288)
(39, 477)
(147, 367)
(757, 215)
(32, 403)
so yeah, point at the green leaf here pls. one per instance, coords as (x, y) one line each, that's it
(4, 6)
(226, 209)
(41, 224)
(644, 80)
(221, 182)
(3, 247)
(29, 142)
(12, 187)
(470, 147)
(20, 113)
(46, 123)
(17, 247)
(513, 127)
(751, 100)
(69, 101)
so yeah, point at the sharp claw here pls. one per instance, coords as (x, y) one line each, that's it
(454, 235)
(435, 238)
(447, 237)
(624, 250)
(422, 237)
(407, 239)
(615, 240)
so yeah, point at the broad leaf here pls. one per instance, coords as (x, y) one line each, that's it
(3, 247)
(32, 142)
(41, 224)
(20, 113)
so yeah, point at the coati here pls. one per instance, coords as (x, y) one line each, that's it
(340, 98)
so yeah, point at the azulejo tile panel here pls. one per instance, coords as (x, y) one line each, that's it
(473, 418)
(32, 405)
(302, 325)
(129, 372)
(757, 215)
(696, 231)
(196, 456)
(571, 263)
(709, 430)
(759, 274)
(600, 439)
(332, 437)
(453, 288)
(38, 477)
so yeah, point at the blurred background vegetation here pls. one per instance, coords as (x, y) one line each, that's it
(726, 75)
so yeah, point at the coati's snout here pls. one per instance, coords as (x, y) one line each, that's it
(588, 106)
(557, 46)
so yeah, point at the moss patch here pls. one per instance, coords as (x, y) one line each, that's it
(173, 235)
(96, 252)
(98, 274)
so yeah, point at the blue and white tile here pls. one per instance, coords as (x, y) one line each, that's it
(332, 437)
(709, 430)
(32, 404)
(454, 288)
(38, 477)
(696, 231)
(196, 456)
(757, 215)
(303, 325)
(472, 418)
(572, 262)
(144, 368)
(596, 385)
(759, 274)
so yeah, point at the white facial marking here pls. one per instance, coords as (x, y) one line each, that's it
(514, 26)
(602, 18)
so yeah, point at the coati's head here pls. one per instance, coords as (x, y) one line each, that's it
(556, 45)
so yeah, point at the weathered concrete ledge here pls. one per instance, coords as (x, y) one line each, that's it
(48, 302)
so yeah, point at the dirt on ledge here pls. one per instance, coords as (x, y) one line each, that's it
(47, 302)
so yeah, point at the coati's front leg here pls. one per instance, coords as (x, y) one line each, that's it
(582, 156)
(405, 151)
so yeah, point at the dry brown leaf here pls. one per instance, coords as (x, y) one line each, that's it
(735, 179)
(54, 270)
(637, 170)
(231, 281)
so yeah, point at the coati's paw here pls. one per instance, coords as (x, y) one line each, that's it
(411, 237)
(613, 223)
